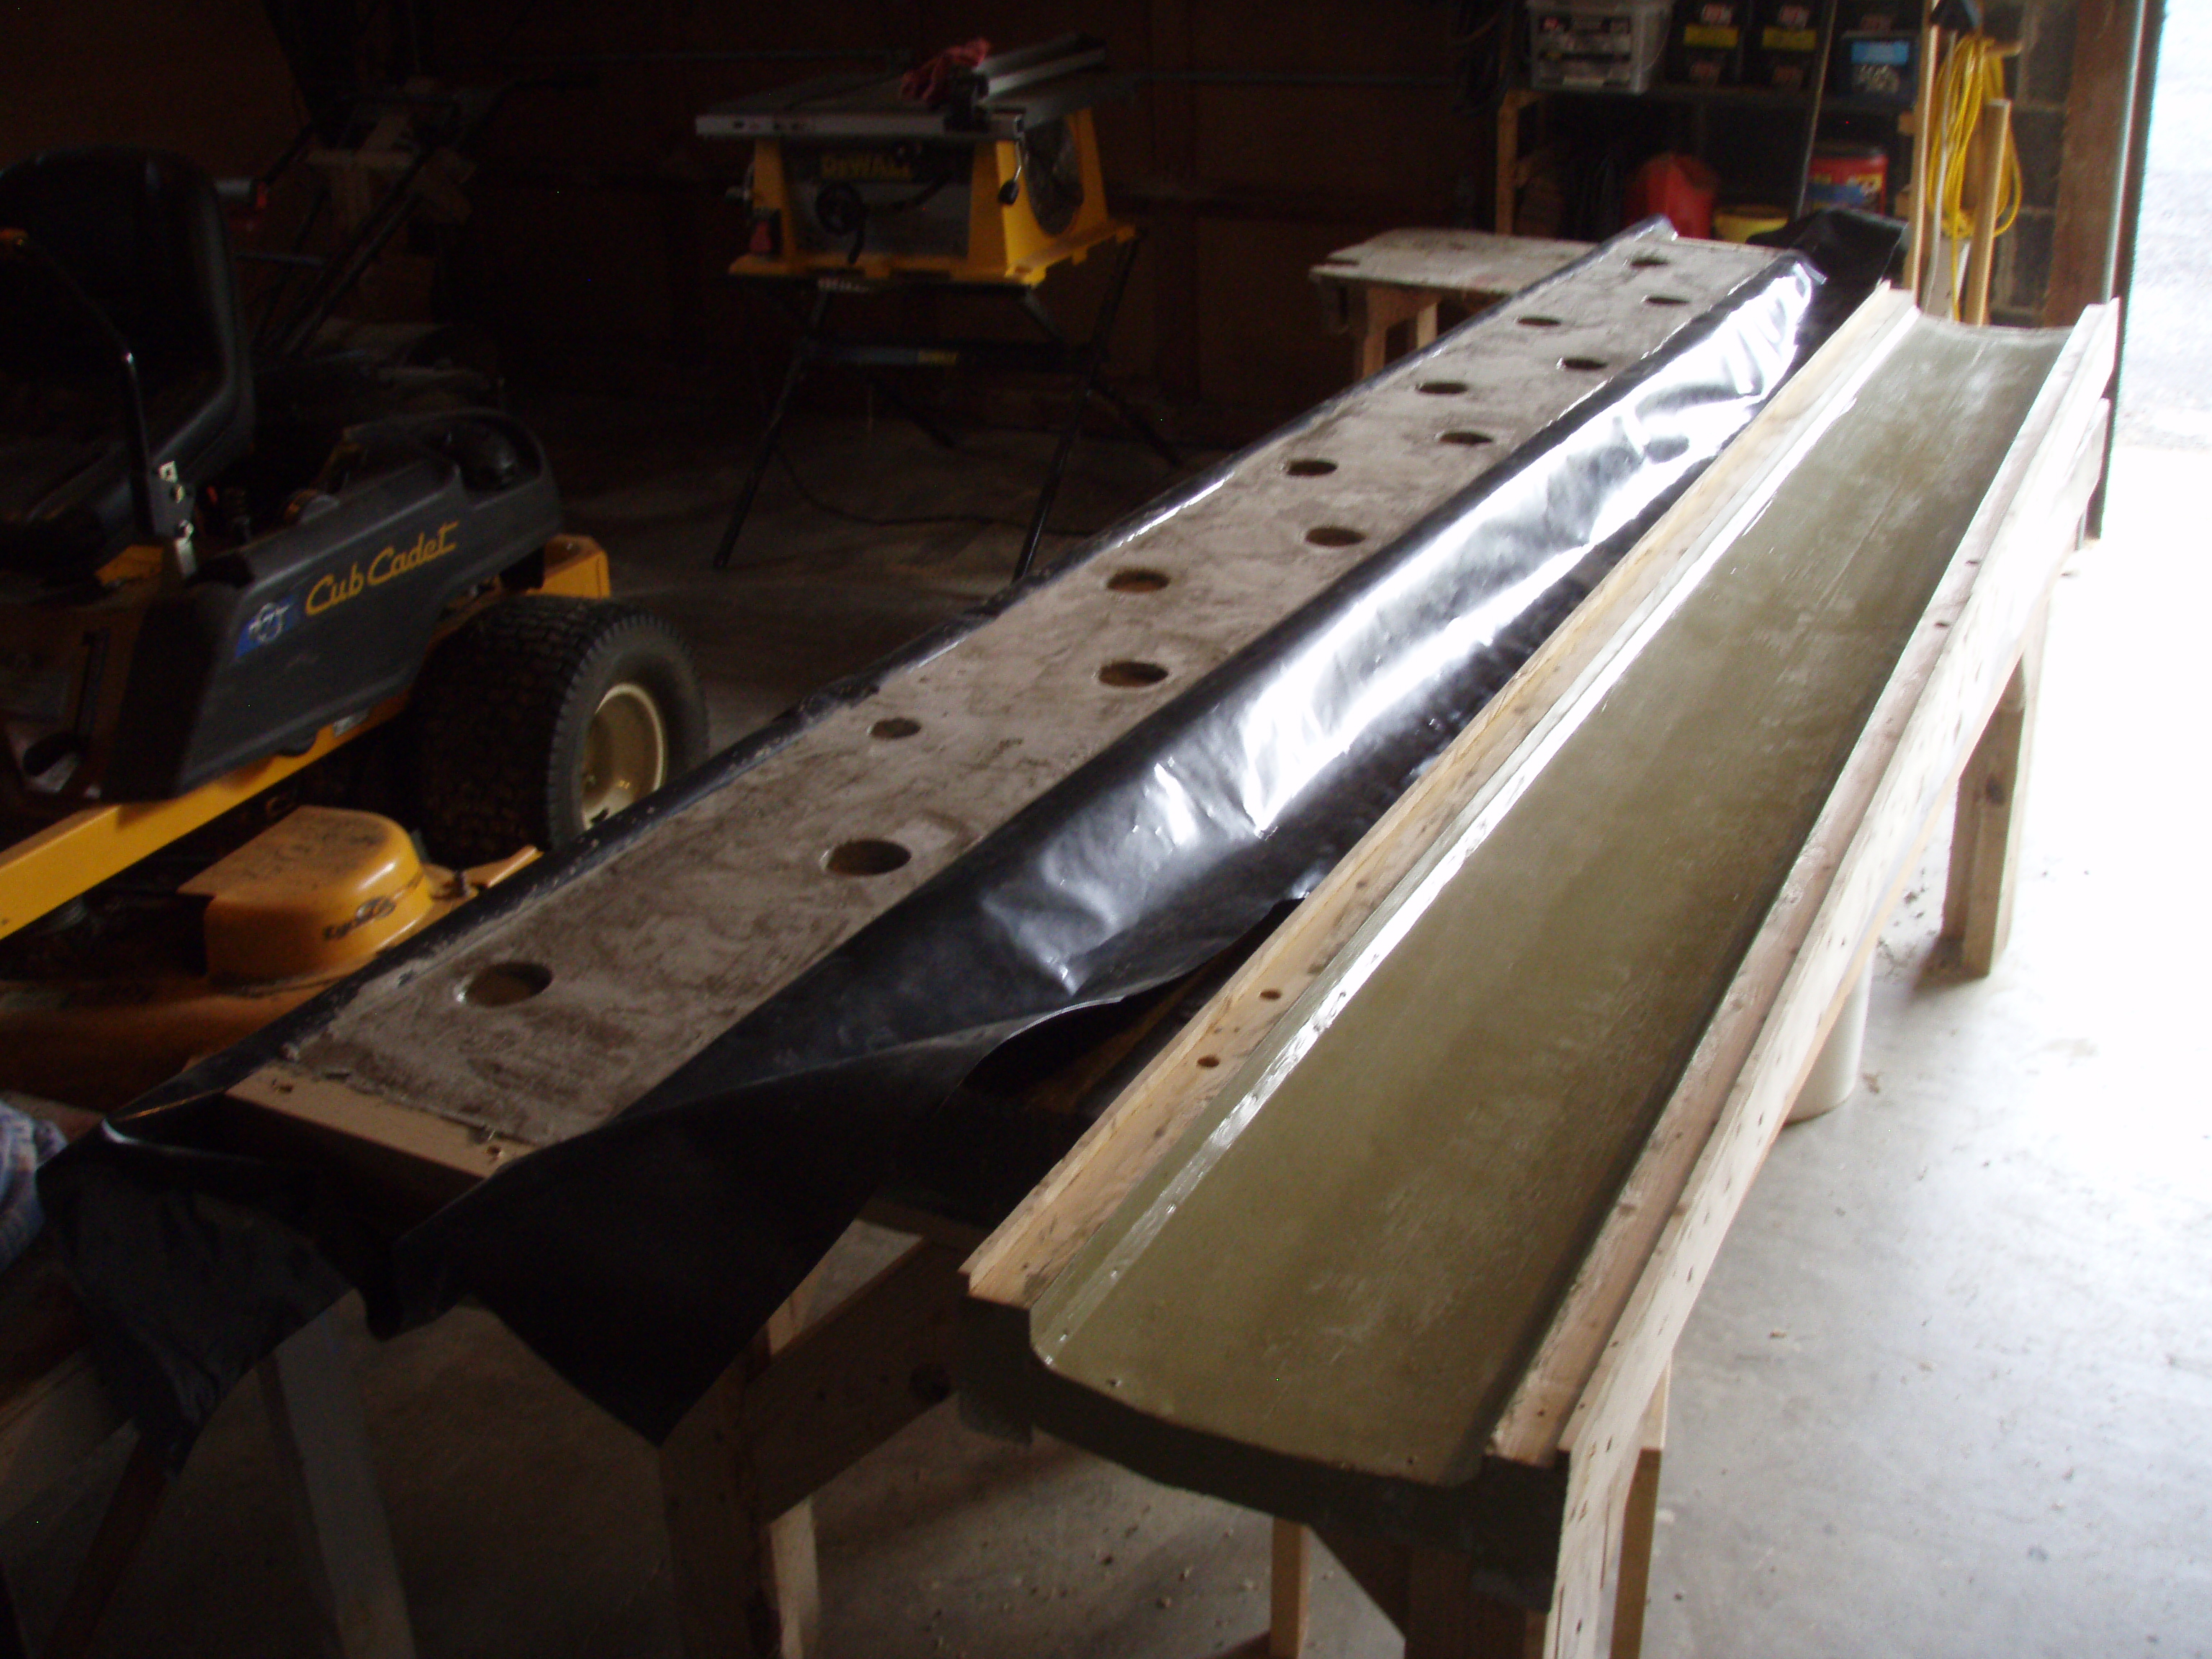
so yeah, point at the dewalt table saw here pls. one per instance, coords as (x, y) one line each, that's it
(976, 176)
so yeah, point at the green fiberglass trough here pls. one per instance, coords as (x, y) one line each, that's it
(1395, 1217)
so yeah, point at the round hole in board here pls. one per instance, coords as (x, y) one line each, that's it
(506, 983)
(1334, 535)
(1586, 364)
(1538, 322)
(1209, 1060)
(1464, 436)
(1311, 466)
(1664, 300)
(1134, 580)
(1441, 388)
(864, 857)
(898, 725)
(1128, 673)
(1648, 262)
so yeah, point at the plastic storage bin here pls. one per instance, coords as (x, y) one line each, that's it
(1884, 68)
(1706, 47)
(1787, 52)
(1610, 46)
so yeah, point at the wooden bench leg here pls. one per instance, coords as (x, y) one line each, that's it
(746, 1588)
(802, 1407)
(1369, 351)
(1604, 1574)
(1638, 1522)
(1446, 1618)
(1985, 834)
(1290, 1591)
(130, 1515)
(1430, 1595)
(1371, 312)
(314, 1399)
(1504, 197)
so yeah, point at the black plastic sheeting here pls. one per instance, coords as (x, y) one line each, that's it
(641, 1258)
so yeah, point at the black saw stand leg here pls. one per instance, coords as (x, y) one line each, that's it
(929, 424)
(801, 353)
(1134, 420)
(1094, 359)
(1089, 359)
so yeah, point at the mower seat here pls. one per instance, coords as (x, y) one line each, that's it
(141, 233)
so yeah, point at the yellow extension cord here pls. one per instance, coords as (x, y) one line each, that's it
(1972, 72)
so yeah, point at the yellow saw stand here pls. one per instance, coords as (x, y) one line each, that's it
(856, 186)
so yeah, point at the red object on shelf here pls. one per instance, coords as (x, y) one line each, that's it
(1849, 175)
(1681, 186)
(925, 82)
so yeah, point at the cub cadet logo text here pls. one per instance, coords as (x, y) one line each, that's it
(392, 561)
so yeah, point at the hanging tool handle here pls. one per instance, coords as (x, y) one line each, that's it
(159, 508)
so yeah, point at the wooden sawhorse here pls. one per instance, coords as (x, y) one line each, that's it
(813, 1398)
(54, 1415)
(1398, 281)
(1537, 1542)
(810, 1400)
(1440, 1613)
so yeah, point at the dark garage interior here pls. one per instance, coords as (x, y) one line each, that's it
(1149, 830)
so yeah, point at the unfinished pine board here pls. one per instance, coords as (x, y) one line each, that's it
(1984, 846)
(1388, 1212)
(322, 1447)
(662, 946)
(1461, 262)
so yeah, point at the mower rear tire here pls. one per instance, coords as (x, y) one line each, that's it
(544, 714)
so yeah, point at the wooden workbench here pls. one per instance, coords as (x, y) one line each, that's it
(1571, 1463)
(748, 895)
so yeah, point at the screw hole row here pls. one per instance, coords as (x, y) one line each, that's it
(871, 856)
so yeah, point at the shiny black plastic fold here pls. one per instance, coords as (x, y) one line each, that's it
(639, 1259)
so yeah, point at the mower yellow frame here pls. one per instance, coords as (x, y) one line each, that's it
(51, 867)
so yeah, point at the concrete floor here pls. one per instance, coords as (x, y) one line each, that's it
(2165, 393)
(1948, 1392)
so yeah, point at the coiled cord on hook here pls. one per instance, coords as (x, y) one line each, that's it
(1972, 72)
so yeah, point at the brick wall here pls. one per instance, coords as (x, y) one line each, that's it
(2037, 80)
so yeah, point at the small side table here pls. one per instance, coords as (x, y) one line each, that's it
(1400, 276)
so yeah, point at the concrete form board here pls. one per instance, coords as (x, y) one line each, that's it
(657, 951)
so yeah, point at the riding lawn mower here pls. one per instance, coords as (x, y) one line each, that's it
(241, 648)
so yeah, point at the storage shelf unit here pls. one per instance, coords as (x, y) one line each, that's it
(1869, 119)
(1748, 97)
